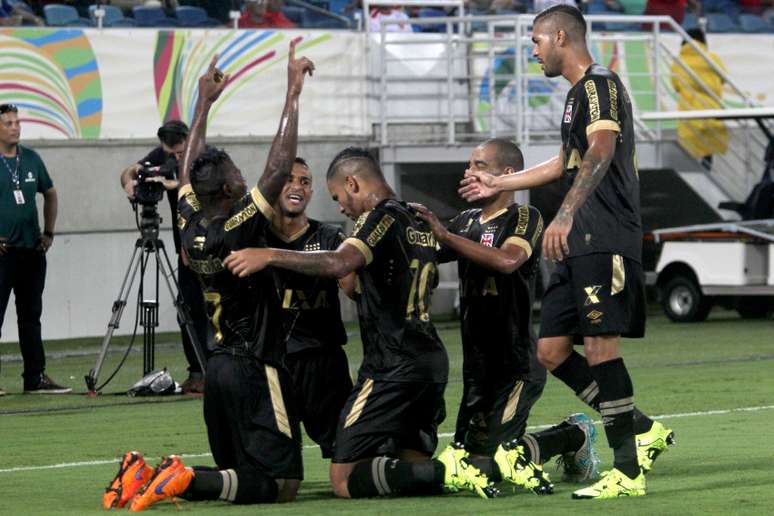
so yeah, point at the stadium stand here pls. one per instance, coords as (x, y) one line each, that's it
(114, 17)
(191, 16)
(147, 16)
(59, 15)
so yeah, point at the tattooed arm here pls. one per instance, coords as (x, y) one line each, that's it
(337, 264)
(595, 164)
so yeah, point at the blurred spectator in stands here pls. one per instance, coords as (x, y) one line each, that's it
(540, 5)
(674, 8)
(261, 14)
(768, 11)
(730, 8)
(752, 6)
(700, 138)
(496, 6)
(18, 13)
(217, 9)
(379, 13)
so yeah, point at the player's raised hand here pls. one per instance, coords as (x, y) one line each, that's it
(248, 261)
(297, 70)
(213, 82)
(555, 246)
(428, 216)
(477, 185)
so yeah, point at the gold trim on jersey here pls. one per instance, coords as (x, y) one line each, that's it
(523, 222)
(520, 242)
(292, 238)
(593, 97)
(184, 190)
(362, 247)
(211, 265)
(360, 221)
(513, 402)
(262, 203)
(612, 90)
(603, 125)
(181, 222)
(275, 391)
(380, 230)
(359, 405)
(484, 220)
(244, 214)
(619, 275)
(538, 231)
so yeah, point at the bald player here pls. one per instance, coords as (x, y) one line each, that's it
(596, 293)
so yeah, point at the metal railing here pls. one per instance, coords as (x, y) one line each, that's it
(460, 85)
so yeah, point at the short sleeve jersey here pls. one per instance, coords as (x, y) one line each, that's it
(495, 308)
(609, 221)
(19, 222)
(242, 311)
(310, 305)
(400, 343)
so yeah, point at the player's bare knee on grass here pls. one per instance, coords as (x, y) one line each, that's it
(287, 490)
(339, 476)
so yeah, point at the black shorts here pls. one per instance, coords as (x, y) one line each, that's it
(322, 385)
(490, 415)
(382, 418)
(251, 416)
(596, 294)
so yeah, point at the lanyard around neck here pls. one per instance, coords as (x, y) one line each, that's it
(14, 173)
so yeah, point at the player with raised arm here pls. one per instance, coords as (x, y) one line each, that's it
(597, 290)
(251, 420)
(387, 431)
(497, 248)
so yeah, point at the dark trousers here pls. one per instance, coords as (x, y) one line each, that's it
(191, 295)
(24, 272)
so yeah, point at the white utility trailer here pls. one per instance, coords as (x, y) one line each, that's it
(729, 263)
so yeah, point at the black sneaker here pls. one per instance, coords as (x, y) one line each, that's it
(46, 386)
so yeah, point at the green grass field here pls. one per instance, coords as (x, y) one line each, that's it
(711, 382)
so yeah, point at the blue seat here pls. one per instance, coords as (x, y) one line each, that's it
(752, 23)
(337, 6)
(314, 20)
(717, 22)
(190, 16)
(294, 14)
(58, 15)
(114, 17)
(429, 12)
(690, 21)
(146, 16)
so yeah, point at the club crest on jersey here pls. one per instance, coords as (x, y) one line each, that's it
(487, 239)
(568, 113)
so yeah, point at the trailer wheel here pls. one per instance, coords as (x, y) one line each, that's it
(683, 301)
(753, 307)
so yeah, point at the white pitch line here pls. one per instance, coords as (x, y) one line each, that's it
(312, 446)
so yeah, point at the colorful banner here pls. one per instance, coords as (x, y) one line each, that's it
(88, 84)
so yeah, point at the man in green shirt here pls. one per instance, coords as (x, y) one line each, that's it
(23, 247)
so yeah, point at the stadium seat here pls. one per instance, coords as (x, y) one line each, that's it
(717, 22)
(752, 23)
(633, 7)
(429, 12)
(294, 14)
(190, 16)
(314, 20)
(58, 15)
(114, 17)
(147, 16)
(337, 6)
(690, 21)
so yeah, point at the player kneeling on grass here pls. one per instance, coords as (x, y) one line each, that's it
(497, 249)
(387, 431)
(251, 418)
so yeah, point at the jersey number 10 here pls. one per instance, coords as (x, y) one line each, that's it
(419, 295)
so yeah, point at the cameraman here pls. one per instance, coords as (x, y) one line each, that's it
(172, 136)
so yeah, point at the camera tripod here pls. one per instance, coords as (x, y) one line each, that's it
(148, 244)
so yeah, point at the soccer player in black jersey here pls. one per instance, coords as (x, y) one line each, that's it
(311, 313)
(596, 292)
(251, 420)
(497, 248)
(387, 431)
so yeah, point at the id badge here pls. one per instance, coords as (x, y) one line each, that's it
(19, 196)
